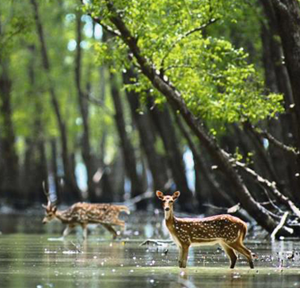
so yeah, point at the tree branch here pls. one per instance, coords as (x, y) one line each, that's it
(277, 143)
(264, 134)
(104, 26)
(185, 35)
(99, 103)
(280, 225)
(272, 186)
(271, 202)
(179, 66)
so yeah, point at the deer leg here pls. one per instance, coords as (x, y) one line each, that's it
(67, 230)
(111, 230)
(85, 231)
(119, 222)
(230, 254)
(180, 252)
(244, 251)
(183, 255)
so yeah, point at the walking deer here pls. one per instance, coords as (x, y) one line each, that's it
(225, 230)
(83, 214)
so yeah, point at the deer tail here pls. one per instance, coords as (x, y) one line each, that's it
(243, 231)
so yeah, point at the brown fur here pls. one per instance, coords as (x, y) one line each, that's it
(226, 230)
(85, 213)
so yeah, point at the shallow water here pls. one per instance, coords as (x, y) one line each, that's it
(31, 256)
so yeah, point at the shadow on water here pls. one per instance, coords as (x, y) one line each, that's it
(29, 259)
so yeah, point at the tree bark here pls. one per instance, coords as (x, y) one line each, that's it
(127, 148)
(287, 14)
(84, 111)
(162, 119)
(147, 138)
(35, 167)
(200, 168)
(10, 169)
(34, 171)
(54, 170)
(266, 166)
(283, 19)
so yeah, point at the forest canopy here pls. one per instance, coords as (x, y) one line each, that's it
(215, 78)
(111, 100)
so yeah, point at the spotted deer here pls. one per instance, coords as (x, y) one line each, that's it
(225, 230)
(85, 213)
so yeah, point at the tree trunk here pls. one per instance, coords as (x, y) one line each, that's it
(287, 13)
(266, 167)
(216, 192)
(163, 122)
(54, 170)
(147, 138)
(35, 166)
(70, 181)
(285, 165)
(34, 171)
(283, 19)
(127, 148)
(10, 173)
(84, 111)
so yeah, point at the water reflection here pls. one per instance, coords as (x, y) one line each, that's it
(29, 259)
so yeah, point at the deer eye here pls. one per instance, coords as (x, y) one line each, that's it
(171, 201)
(163, 201)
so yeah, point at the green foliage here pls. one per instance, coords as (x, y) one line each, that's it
(207, 65)
(31, 101)
(214, 77)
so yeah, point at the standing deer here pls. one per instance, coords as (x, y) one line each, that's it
(225, 230)
(83, 214)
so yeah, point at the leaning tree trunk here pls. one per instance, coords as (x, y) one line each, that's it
(174, 97)
(70, 181)
(127, 148)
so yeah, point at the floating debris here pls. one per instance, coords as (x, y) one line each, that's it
(46, 251)
(71, 252)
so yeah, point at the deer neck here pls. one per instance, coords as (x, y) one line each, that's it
(60, 215)
(169, 218)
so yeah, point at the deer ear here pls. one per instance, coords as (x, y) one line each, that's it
(54, 209)
(176, 195)
(159, 194)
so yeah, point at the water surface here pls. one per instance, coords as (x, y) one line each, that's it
(31, 256)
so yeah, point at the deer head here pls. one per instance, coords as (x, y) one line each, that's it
(50, 208)
(168, 202)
